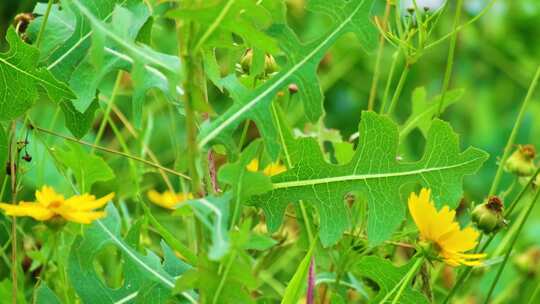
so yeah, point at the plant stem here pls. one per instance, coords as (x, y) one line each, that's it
(169, 237)
(13, 170)
(44, 23)
(464, 275)
(376, 72)
(402, 284)
(104, 149)
(534, 294)
(108, 109)
(389, 81)
(450, 60)
(408, 278)
(509, 250)
(224, 277)
(399, 88)
(513, 134)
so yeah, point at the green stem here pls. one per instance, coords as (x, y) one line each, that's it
(408, 278)
(44, 23)
(404, 282)
(13, 170)
(108, 109)
(377, 68)
(450, 60)
(169, 237)
(511, 247)
(534, 294)
(513, 134)
(224, 277)
(389, 81)
(464, 275)
(399, 88)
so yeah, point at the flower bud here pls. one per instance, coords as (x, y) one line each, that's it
(246, 61)
(528, 262)
(488, 216)
(270, 64)
(521, 162)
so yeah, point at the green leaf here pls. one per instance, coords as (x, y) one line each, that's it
(79, 123)
(423, 110)
(87, 168)
(114, 49)
(245, 183)
(295, 287)
(60, 26)
(374, 172)
(219, 20)
(302, 62)
(145, 278)
(21, 79)
(66, 57)
(216, 208)
(44, 295)
(387, 277)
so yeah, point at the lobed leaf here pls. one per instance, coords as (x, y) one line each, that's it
(145, 277)
(20, 78)
(373, 171)
(301, 67)
(387, 277)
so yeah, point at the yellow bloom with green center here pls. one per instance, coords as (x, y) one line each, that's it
(440, 229)
(270, 170)
(168, 199)
(49, 205)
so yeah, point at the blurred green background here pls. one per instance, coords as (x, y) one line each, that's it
(496, 58)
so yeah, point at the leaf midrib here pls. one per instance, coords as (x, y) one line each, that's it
(216, 131)
(345, 178)
(34, 76)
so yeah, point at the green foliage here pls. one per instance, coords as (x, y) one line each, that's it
(423, 110)
(21, 78)
(169, 102)
(295, 287)
(373, 171)
(387, 277)
(145, 277)
(86, 168)
(44, 295)
(301, 66)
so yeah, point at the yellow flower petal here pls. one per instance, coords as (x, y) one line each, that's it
(83, 217)
(47, 195)
(253, 165)
(441, 228)
(87, 202)
(168, 199)
(274, 169)
(33, 210)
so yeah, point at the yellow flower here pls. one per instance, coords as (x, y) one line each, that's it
(440, 229)
(168, 199)
(270, 170)
(49, 204)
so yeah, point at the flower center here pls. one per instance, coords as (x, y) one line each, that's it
(55, 204)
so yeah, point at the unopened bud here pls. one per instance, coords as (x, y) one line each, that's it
(488, 216)
(246, 61)
(270, 64)
(521, 162)
(293, 88)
